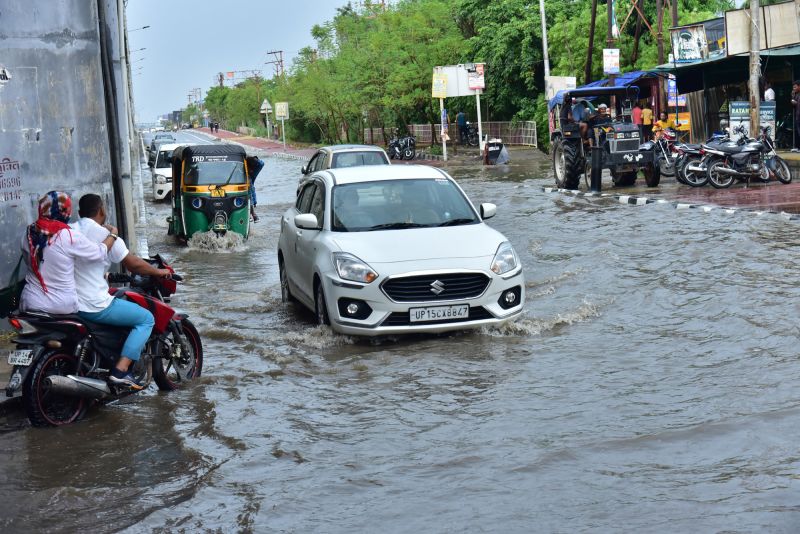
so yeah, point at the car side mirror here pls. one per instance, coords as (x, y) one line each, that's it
(306, 221)
(304, 169)
(488, 210)
(150, 164)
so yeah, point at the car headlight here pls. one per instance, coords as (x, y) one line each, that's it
(350, 267)
(505, 259)
(161, 179)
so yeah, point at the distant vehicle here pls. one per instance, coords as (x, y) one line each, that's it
(161, 138)
(396, 249)
(341, 156)
(161, 171)
(210, 191)
(402, 147)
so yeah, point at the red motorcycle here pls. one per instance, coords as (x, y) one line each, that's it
(62, 362)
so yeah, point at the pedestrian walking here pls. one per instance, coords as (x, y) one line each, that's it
(647, 122)
(796, 114)
(254, 166)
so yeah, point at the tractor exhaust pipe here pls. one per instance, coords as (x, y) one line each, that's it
(78, 386)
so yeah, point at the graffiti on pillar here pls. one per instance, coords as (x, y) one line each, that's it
(10, 180)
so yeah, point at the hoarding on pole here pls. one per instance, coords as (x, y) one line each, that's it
(282, 110)
(611, 61)
(739, 112)
(465, 79)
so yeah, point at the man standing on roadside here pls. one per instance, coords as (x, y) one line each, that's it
(796, 114)
(461, 121)
(647, 122)
(636, 117)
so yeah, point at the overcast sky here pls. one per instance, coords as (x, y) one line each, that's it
(190, 41)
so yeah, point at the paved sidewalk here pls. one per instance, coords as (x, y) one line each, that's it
(261, 143)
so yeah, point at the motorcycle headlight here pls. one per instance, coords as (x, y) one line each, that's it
(350, 267)
(505, 259)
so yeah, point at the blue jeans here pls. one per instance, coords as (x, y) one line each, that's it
(253, 194)
(124, 313)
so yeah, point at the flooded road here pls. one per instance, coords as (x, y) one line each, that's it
(650, 386)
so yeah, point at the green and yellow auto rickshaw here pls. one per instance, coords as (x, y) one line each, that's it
(210, 191)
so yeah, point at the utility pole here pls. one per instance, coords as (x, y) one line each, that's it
(755, 66)
(587, 75)
(674, 12)
(610, 44)
(660, 33)
(544, 49)
(278, 61)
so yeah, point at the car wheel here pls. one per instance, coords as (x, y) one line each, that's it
(321, 307)
(286, 293)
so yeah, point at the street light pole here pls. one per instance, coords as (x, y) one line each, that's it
(544, 48)
(137, 29)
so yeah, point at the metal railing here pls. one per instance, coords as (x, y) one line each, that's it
(512, 133)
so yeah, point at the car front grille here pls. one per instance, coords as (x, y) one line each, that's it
(625, 145)
(435, 287)
(476, 313)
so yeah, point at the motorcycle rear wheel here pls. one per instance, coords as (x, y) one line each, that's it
(472, 139)
(44, 407)
(718, 179)
(170, 374)
(408, 153)
(692, 178)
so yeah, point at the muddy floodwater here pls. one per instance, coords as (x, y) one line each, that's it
(651, 386)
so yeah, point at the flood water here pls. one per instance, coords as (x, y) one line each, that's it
(651, 386)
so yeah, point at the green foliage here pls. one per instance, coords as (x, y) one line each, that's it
(372, 67)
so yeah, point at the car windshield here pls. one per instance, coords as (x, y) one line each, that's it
(356, 159)
(215, 173)
(164, 137)
(399, 204)
(162, 161)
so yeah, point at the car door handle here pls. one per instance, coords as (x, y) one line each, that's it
(299, 233)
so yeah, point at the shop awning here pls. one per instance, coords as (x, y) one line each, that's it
(626, 79)
(717, 71)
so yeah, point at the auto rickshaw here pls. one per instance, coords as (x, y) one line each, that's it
(210, 191)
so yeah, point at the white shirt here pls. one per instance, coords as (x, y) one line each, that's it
(90, 276)
(58, 272)
(769, 95)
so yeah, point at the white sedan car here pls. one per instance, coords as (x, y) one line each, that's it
(396, 249)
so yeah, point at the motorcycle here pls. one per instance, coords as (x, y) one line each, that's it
(402, 147)
(688, 167)
(472, 138)
(665, 152)
(746, 159)
(62, 362)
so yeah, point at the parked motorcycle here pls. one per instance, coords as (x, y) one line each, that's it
(689, 168)
(472, 138)
(402, 147)
(744, 160)
(62, 362)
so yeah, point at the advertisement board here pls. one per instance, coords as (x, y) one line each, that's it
(673, 98)
(465, 79)
(689, 44)
(560, 83)
(611, 61)
(740, 114)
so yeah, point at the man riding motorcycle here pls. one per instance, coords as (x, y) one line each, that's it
(94, 301)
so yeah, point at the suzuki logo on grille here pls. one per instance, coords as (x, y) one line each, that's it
(437, 287)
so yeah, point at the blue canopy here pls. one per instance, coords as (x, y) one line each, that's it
(627, 79)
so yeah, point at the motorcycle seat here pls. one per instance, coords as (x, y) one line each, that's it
(725, 147)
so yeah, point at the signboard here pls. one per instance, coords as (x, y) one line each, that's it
(560, 83)
(779, 27)
(282, 111)
(439, 86)
(611, 61)
(475, 79)
(458, 80)
(266, 107)
(740, 114)
(689, 44)
(673, 98)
